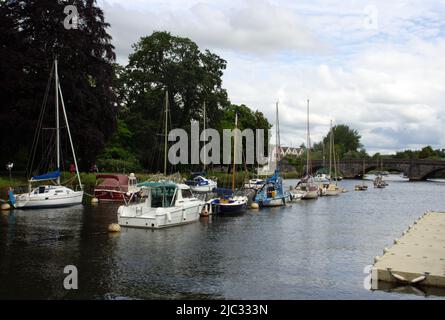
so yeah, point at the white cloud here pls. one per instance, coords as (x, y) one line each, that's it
(387, 82)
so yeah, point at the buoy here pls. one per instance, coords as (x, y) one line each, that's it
(94, 200)
(254, 205)
(204, 212)
(6, 206)
(114, 227)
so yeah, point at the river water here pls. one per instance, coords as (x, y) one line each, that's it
(315, 249)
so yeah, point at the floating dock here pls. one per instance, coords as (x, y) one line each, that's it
(416, 258)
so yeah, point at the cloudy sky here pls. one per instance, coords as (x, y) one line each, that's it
(378, 67)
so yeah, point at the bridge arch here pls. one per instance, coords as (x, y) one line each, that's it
(431, 173)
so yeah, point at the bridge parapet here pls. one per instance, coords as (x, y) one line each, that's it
(414, 169)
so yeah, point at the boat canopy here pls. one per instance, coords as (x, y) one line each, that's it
(153, 184)
(110, 181)
(47, 176)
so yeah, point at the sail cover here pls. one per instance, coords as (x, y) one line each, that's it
(47, 176)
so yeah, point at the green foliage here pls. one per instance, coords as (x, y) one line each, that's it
(35, 34)
(163, 62)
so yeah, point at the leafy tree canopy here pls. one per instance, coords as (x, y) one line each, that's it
(32, 34)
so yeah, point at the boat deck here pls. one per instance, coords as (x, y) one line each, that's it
(418, 257)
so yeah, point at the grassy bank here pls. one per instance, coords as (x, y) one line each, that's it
(89, 179)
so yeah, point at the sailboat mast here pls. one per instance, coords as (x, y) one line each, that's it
(165, 133)
(334, 154)
(277, 136)
(205, 142)
(234, 153)
(330, 152)
(69, 136)
(57, 119)
(308, 142)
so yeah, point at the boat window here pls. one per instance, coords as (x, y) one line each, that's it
(187, 193)
(41, 189)
(162, 197)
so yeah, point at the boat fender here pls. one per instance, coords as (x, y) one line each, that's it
(376, 259)
(419, 279)
(169, 216)
(114, 227)
(398, 277)
(386, 250)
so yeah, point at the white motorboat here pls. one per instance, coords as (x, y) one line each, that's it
(255, 184)
(322, 178)
(51, 195)
(160, 204)
(201, 184)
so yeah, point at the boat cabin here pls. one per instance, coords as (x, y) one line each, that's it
(164, 194)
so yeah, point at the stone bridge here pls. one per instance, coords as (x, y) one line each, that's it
(414, 169)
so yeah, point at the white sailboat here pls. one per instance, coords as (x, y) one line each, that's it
(332, 189)
(199, 183)
(55, 194)
(307, 188)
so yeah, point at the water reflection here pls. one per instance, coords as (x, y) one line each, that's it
(311, 249)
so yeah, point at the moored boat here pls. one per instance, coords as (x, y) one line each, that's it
(51, 195)
(159, 205)
(115, 187)
(199, 183)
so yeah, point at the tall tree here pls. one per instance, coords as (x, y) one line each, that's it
(32, 34)
(347, 142)
(163, 62)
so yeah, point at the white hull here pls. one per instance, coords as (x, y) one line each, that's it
(332, 192)
(134, 216)
(25, 201)
(274, 203)
(206, 188)
(310, 195)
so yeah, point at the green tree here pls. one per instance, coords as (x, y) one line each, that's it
(426, 152)
(347, 141)
(163, 62)
(32, 34)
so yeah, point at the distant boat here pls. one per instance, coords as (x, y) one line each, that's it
(115, 187)
(322, 178)
(159, 205)
(363, 186)
(201, 184)
(307, 188)
(198, 182)
(52, 195)
(332, 189)
(271, 194)
(255, 183)
(229, 202)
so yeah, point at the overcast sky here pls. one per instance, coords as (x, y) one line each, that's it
(378, 67)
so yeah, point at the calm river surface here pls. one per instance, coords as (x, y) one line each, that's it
(308, 250)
